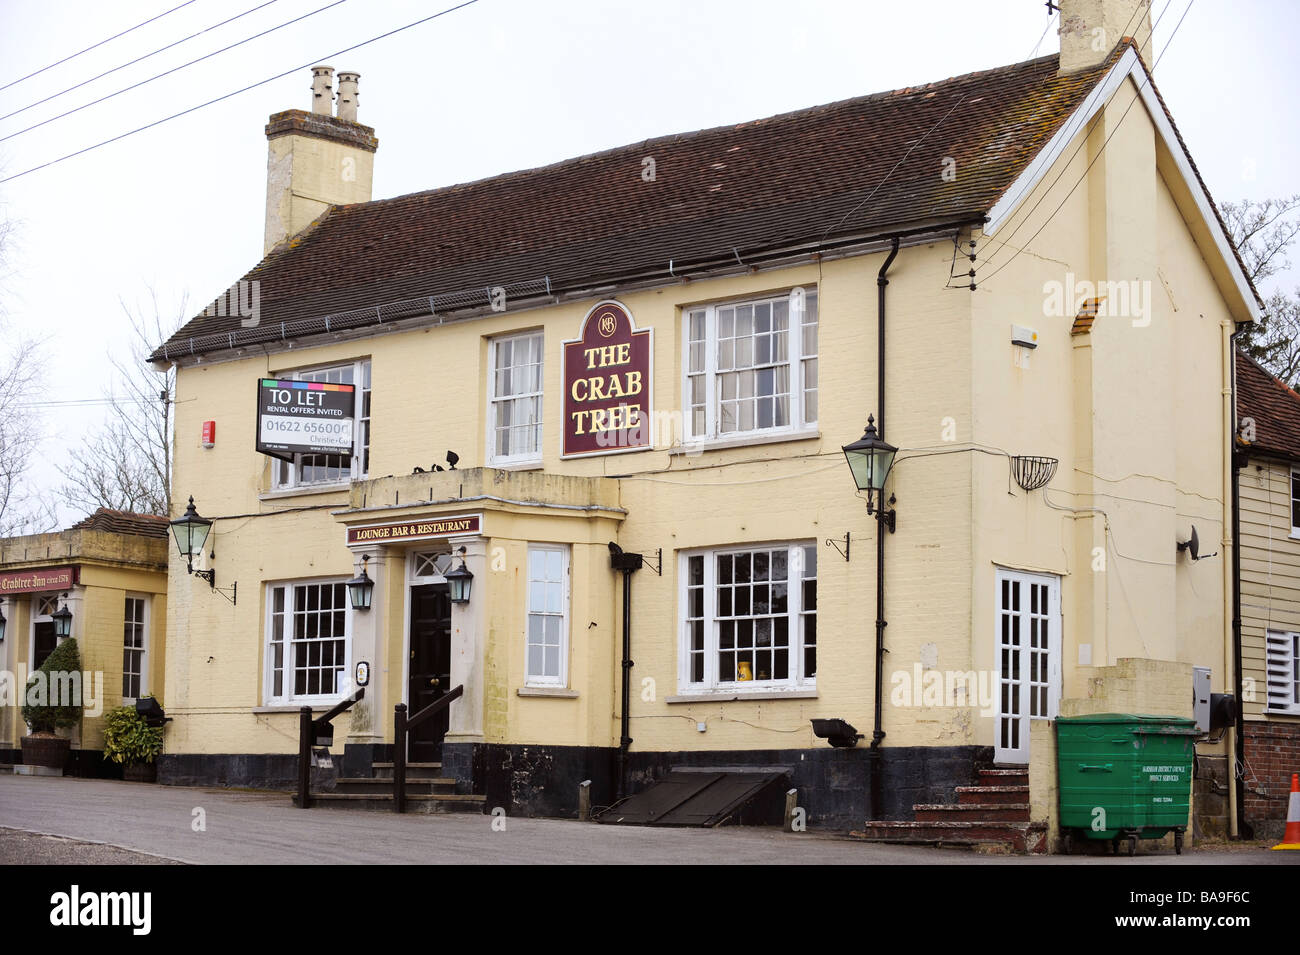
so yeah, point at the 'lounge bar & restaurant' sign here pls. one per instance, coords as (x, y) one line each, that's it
(607, 385)
(415, 530)
(304, 417)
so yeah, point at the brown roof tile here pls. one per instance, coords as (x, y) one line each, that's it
(804, 178)
(124, 522)
(1274, 408)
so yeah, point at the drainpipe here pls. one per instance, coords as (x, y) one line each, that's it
(626, 564)
(878, 734)
(1238, 826)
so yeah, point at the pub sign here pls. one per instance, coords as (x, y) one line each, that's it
(607, 385)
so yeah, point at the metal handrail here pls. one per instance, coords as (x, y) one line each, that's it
(401, 725)
(307, 730)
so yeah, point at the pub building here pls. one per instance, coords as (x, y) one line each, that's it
(102, 582)
(610, 450)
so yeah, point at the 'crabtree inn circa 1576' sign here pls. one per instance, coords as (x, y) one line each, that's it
(607, 385)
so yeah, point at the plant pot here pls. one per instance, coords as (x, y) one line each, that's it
(46, 749)
(140, 772)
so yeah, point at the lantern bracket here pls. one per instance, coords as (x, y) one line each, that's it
(835, 542)
(210, 576)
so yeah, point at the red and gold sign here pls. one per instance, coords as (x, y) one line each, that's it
(607, 385)
(415, 530)
(37, 581)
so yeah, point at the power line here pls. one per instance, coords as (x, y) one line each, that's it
(93, 46)
(175, 69)
(138, 59)
(1100, 152)
(269, 79)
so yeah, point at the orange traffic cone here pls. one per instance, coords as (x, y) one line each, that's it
(1291, 838)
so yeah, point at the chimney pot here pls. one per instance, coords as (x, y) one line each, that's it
(322, 90)
(348, 96)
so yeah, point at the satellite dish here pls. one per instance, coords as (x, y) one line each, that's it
(1194, 546)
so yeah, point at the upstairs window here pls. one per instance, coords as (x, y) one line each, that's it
(1295, 503)
(312, 470)
(515, 400)
(751, 367)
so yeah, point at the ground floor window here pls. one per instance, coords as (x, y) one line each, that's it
(749, 617)
(547, 650)
(307, 641)
(134, 679)
(1282, 661)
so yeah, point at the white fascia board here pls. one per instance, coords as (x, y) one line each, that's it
(1128, 67)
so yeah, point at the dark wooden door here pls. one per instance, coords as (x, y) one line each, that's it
(45, 641)
(430, 669)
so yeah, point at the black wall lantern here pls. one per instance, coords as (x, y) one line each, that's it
(870, 458)
(3, 622)
(191, 532)
(62, 620)
(361, 588)
(460, 580)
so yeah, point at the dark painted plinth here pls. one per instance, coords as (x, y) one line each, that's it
(233, 770)
(835, 785)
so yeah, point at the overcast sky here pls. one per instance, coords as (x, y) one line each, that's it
(497, 86)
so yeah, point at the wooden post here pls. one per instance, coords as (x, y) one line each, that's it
(791, 799)
(399, 758)
(304, 757)
(584, 801)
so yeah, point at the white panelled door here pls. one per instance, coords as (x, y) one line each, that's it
(1028, 659)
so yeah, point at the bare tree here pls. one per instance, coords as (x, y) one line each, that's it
(1264, 232)
(21, 511)
(126, 466)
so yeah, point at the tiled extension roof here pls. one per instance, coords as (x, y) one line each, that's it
(124, 522)
(1274, 407)
(805, 178)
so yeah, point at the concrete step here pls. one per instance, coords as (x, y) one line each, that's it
(973, 812)
(413, 770)
(983, 795)
(414, 785)
(444, 802)
(1010, 837)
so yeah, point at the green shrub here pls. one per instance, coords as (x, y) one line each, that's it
(59, 676)
(128, 740)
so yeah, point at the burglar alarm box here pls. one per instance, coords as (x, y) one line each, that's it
(209, 434)
(1201, 698)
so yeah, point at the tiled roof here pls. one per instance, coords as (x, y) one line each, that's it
(863, 167)
(124, 522)
(1274, 408)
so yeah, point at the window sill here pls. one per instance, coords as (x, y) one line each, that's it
(727, 696)
(1295, 534)
(516, 466)
(305, 491)
(719, 444)
(292, 708)
(555, 692)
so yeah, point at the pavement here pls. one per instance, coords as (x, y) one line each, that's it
(93, 821)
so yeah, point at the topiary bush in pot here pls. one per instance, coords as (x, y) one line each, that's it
(52, 700)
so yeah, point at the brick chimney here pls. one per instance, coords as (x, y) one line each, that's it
(1091, 29)
(316, 159)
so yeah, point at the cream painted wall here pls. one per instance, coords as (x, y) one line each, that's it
(1129, 411)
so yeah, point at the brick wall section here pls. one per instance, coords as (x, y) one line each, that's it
(1272, 752)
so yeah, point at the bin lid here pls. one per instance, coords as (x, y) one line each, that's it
(1141, 719)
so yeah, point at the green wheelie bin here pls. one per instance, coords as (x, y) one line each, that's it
(1125, 777)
